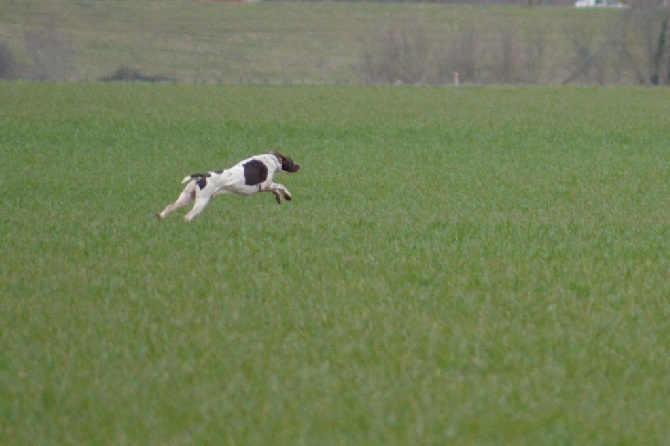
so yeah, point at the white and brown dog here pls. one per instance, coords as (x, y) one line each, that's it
(247, 177)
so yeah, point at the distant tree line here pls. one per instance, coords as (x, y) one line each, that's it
(471, 2)
(50, 54)
(633, 49)
(51, 58)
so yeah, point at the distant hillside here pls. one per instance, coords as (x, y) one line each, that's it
(325, 43)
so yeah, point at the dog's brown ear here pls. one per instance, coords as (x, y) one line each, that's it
(279, 156)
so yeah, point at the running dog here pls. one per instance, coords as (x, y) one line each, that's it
(247, 177)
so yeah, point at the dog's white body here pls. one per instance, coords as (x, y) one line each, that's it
(247, 177)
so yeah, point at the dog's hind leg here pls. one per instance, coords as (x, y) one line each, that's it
(200, 203)
(186, 197)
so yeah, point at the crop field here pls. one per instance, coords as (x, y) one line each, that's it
(458, 265)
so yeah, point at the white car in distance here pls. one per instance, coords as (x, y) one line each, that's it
(599, 4)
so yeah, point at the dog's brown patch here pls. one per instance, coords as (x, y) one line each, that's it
(255, 172)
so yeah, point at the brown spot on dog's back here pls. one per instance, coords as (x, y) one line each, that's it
(255, 172)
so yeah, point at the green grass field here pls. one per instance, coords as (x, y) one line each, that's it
(464, 266)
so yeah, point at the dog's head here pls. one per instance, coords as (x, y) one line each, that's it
(287, 164)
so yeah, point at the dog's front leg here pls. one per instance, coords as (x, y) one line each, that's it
(278, 190)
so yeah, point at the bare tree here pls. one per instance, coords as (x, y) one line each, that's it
(8, 64)
(464, 54)
(590, 56)
(50, 52)
(644, 42)
(506, 71)
(401, 55)
(661, 57)
(535, 50)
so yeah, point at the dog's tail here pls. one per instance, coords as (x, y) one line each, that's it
(195, 176)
